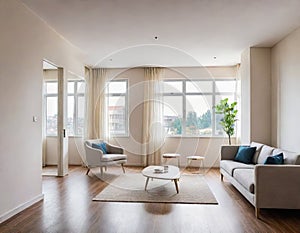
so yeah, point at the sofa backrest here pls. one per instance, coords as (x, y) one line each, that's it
(263, 151)
(289, 157)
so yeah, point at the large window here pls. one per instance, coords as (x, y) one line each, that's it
(117, 96)
(188, 106)
(75, 113)
(75, 123)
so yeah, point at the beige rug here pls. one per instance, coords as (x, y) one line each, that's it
(193, 189)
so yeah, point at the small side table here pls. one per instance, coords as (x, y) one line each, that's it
(197, 158)
(167, 156)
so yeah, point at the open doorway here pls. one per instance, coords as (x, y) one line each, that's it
(55, 142)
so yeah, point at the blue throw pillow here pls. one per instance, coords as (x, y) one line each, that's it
(276, 159)
(100, 146)
(245, 154)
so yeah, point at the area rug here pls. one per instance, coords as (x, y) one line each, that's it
(193, 189)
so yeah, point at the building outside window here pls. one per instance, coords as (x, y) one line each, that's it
(117, 99)
(188, 106)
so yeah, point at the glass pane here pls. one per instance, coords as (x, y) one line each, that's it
(51, 116)
(219, 117)
(70, 87)
(70, 121)
(80, 116)
(116, 115)
(51, 87)
(199, 86)
(115, 87)
(80, 87)
(172, 86)
(173, 115)
(198, 115)
(225, 86)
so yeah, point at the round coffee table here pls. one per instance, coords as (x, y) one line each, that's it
(172, 173)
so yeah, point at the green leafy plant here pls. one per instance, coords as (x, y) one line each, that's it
(229, 112)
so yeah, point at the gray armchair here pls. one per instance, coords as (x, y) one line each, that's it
(96, 158)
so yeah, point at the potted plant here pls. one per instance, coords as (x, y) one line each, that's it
(229, 112)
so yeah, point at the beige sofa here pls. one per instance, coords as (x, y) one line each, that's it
(264, 186)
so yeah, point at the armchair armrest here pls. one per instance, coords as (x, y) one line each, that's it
(93, 155)
(228, 152)
(277, 186)
(112, 149)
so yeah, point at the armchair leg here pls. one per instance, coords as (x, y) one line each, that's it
(222, 177)
(101, 170)
(257, 210)
(123, 167)
(87, 172)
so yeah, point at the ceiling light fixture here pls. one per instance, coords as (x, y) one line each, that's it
(156, 38)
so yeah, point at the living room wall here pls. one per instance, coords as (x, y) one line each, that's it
(25, 41)
(285, 60)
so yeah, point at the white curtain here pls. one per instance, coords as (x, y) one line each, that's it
(153, 131)
(95, 114)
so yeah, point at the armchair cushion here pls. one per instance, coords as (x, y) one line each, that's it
(101, 146)
(113, 157)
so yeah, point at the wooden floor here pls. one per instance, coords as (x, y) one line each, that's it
(68, 208)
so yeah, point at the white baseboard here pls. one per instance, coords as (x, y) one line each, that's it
(20, 208)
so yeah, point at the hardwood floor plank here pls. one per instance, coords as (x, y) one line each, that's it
(68, 207)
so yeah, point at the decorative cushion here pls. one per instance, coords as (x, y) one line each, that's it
(245, 154)
(275, 159)
(258, 149)
(100, 146)
(265, 152)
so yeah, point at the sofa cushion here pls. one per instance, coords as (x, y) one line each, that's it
(275, 159)
(258, 149)
(245, 177)
(229, 166)
(245, 154)
(289, 157)
(265, 152)
(113, 157)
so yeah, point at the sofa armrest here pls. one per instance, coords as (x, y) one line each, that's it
(277, 186)
(112, 149)
(228, 152)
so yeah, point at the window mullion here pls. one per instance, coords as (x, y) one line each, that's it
(184, 108)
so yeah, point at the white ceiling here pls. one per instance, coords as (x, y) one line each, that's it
(120, 33)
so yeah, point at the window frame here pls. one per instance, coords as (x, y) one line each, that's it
(213, 95)
(46, 95)
(76, 96)
(126, 118)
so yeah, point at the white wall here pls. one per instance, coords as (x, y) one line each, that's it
(25, 42)
(286, 92)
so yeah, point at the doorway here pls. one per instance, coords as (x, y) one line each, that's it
(55, 141)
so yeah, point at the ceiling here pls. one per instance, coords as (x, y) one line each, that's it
(119, 33)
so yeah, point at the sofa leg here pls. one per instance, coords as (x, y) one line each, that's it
(123, 167)
(87, 172)
(257, 210)
(222, 177)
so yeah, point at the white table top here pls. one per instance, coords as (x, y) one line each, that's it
(173, 173)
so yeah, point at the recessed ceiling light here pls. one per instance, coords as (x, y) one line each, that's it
(155, 37)
(215, 58)
(110, 59)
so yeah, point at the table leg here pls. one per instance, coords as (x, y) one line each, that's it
(176, 185)
(146, 183)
